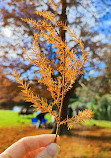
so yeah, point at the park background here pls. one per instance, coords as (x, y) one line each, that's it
(91, 20)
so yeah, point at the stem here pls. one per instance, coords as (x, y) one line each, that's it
(63, 88)
(62, 35)
(57, 130)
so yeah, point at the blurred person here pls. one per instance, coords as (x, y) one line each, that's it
(41, 146)
(40, 116)
(77, 110)
(70, 112)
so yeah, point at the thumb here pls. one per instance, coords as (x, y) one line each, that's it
(51, 151)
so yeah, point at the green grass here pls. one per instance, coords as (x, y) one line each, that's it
(10, 118)
(100, 123)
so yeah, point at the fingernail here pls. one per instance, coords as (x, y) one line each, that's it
(53, 149)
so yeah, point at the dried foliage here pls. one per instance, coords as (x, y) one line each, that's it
(69, 67)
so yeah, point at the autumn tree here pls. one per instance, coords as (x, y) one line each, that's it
(75, 14)
(10, 92)
(79, 15)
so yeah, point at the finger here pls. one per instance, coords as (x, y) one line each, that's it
(20, 148)
(51, 151)
(34, 153)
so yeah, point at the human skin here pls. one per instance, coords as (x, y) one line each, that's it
(41, 146)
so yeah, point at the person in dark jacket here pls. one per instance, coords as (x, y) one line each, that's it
(70, 112)
(40, 117)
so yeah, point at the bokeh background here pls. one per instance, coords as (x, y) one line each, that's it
(90, 20)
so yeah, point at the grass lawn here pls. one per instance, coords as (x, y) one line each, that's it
(10, 118)
(100, 123)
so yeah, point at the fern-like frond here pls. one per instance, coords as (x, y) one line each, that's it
(38, 102)
(47, 15)
(53, 4)
(80, 118)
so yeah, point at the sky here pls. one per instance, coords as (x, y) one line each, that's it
(103, 8)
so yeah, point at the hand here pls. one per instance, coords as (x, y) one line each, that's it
(33, 147)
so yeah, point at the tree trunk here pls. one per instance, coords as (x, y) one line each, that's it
(63, 17)
(63, 128)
